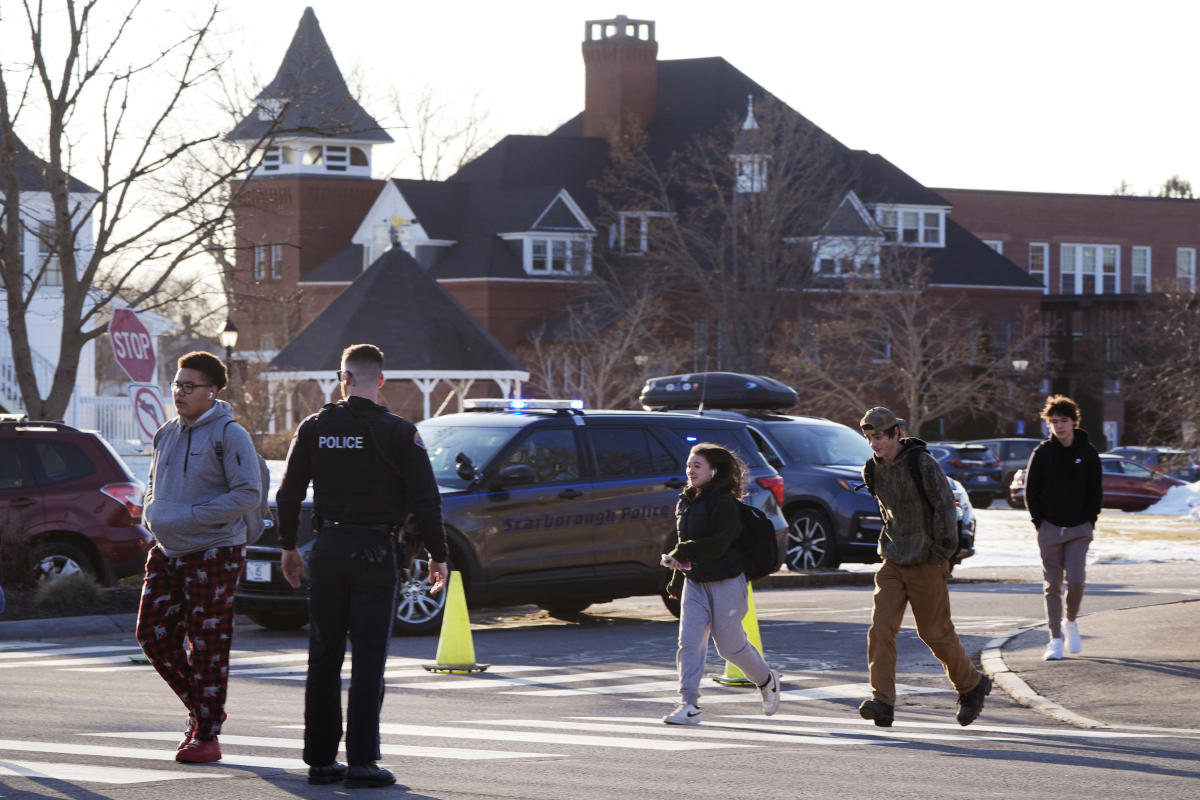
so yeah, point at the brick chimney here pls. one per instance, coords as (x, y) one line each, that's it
(620, 58)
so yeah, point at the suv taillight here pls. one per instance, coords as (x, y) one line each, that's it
(129, 495)
(774, 486)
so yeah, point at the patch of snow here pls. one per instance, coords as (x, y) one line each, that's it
(1179, 501)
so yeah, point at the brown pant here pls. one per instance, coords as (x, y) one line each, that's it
(924, 586)
(1064, 550)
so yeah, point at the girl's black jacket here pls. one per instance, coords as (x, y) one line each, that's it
(708, 526)
(1063, 484)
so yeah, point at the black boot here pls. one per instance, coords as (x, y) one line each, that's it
(323, 776)
(971, 703)
(360, 776)
(877, 710)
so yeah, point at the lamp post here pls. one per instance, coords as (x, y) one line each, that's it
(228, 338)
(1019, 365)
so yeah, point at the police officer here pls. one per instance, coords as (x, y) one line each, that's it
(369, 471)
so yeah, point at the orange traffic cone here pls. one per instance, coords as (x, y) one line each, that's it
(455, 650)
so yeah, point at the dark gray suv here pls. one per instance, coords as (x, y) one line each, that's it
(544, 504)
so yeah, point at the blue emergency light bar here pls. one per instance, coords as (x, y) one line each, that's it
(519, 404)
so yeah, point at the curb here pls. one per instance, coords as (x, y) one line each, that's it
(992, 661)
(67, 626)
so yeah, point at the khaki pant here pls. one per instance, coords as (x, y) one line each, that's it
(924, 587)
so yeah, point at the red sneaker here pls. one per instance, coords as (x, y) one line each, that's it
(199, 751)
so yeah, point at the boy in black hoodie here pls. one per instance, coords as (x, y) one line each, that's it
(1063, 493)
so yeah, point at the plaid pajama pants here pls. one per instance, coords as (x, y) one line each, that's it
(185, 628)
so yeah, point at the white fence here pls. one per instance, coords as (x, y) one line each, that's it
(112, 417)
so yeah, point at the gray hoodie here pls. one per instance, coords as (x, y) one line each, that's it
(191, 503)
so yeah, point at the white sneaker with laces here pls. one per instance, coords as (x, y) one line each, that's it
(1071, 631)
(684, 714)
(770, 693)
(1053, 650)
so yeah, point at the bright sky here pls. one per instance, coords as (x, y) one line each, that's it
(1040, 95)
(1044, 95)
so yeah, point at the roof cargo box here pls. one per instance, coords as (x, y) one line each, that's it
(717, 390)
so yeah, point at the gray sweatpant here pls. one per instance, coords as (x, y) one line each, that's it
(1063, 550)
(715, 608)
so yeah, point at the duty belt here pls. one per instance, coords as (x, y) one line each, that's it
(382, 528)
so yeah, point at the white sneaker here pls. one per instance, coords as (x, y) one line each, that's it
(1053, 650)
(770, 693)
(684, 714)
(1071, 630)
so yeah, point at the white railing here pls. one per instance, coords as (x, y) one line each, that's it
(112, 417)
(43, 370)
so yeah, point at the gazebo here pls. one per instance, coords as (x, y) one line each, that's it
(426, 335)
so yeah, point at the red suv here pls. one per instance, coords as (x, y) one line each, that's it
(71, 500)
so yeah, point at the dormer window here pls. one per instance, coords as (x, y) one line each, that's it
(558, 255)
(912, 225)
(631, 234)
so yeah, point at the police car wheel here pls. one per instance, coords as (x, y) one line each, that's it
(417, 611)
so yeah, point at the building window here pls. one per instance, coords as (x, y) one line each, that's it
(1039, 255)
(1089, 269)
(751, 174)
(276, 261)
(1185, 269)
(48, 255)
(995, 244)
(1140, 270)
(911, 226)
(266, 342)
(260, 262)
(558, 256)
(632, 232)
(847, 257)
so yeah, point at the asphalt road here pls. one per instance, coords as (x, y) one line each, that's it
(571, 709)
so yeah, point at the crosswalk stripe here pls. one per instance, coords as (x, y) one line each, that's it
(642, 727)
(498, 681)
(125, 753)
(461, 754)
(628, 688)
(1072, 733)
(447, 731)
(89, 773)
(62, 651)
(71, 662)
(24, 645)
(793, 733)
(835, 692)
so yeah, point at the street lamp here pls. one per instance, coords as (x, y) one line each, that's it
(228, 339)
(1019, 365)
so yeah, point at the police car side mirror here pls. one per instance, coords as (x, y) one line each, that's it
(515, 474)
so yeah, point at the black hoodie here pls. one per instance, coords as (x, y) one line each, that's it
(1063, 484)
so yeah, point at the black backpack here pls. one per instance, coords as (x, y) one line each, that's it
(914, 469)
(760, 548)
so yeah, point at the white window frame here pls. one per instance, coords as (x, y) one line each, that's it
(894, 222)
(623, 231)
(751, 173)
(995, 244)
(849, 256)
(540, 251)
(1088, 271)
(1185, 269)
(48, 261)
(276, 261)
(1133, 268)
(260, 262)
(1044, 272)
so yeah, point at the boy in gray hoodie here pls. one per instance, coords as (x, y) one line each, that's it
(204, 477)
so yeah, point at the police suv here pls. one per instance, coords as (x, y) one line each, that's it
(543, 503)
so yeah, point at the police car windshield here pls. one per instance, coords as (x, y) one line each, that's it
(445, 442)
(830, 445)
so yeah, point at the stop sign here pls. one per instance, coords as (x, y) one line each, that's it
(132, 346)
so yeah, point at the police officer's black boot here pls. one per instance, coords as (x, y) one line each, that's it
(323, 776)
(360, 776)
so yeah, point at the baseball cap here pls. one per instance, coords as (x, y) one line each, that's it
(879, 419)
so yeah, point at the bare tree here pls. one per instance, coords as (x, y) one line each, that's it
(733, 220)
(1176, 186)
(896, 340)
(437, 135)
(1162, 368)
(77, 89)
(600, 348)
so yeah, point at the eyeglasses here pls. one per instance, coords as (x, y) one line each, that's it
(343, 375)
(187, 387)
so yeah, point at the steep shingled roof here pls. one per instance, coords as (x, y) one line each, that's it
(397, 306)
(32, 171)
(318, 102)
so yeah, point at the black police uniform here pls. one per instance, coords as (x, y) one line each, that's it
(369, 471)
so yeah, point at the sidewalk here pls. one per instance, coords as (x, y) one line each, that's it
(1139, 667)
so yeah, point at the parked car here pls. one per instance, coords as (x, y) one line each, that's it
(974, 466)
(830, 521)
(1168, 460)
(1013, 453)
(1127, 485)
(543, 503)
(71, 500)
